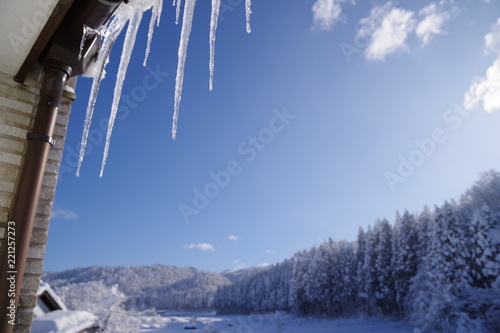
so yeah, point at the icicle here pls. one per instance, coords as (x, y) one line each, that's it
(178, 11)
(187, 22)
(248, 11)
(173, 3)
(128, 45)
(160, 9)
(114, 29)
(133, 13)
(82, 42)
(155, 16)
(213, 29)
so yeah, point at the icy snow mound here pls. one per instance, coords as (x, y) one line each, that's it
(61, 321)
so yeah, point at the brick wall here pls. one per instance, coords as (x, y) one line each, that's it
(17, 109)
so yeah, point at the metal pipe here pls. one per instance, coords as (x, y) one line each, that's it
(28, 192)
(61, 61)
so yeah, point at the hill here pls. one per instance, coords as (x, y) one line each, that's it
(162, 286)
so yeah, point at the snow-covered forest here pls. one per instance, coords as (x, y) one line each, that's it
(438, 268)
(160, 286)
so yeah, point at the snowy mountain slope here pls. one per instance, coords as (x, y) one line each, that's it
(125, 277)
(235, 275)
(160, 286)
(146, 286)
(196, 292)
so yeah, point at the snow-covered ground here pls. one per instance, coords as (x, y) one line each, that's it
(173, 323)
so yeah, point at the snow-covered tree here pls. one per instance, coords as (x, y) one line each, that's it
(121, 321)
(361, 248)
(425, 221)
(106, 303)
(485, 191)
(444, 276)
(367, 275)
(298, 281)
(405, 247)
(343, 296)
(484, 249)
(384, 287)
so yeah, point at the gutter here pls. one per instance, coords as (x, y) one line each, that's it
(60, 61)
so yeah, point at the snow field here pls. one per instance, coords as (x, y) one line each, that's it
(269, 323)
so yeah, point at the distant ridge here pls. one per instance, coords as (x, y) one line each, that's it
(160, 285)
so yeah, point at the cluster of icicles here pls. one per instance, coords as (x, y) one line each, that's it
(132, 13)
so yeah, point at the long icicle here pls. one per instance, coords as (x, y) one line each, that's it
(248, 11)
(187, 23)
(160, 9)
(128, 45)
(155, 16)
(178, 11)
(213, 33)
(114, 29)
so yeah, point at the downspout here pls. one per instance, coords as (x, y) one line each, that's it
(28, 192)
(60, 61)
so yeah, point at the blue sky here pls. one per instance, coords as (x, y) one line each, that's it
(328, 116)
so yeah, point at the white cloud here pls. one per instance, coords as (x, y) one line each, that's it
(199, 246)
(63, 214)
(233, 238)
(486, 89)
(492, 40)
(431, 23)
(387, 29)
(269, 251)
(326, 13)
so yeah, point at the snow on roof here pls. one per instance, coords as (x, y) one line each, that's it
(60, 321)
(45, 287)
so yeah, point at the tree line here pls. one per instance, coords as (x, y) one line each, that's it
(439, 269)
